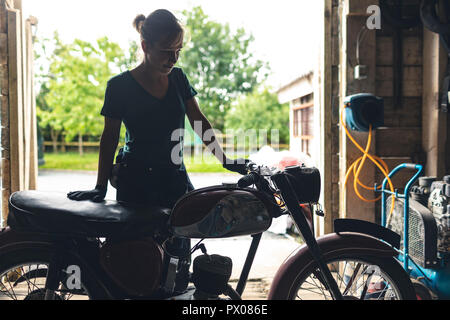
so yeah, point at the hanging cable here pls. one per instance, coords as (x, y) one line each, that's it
(359, 39)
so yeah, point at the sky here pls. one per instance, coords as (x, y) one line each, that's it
(285, 31)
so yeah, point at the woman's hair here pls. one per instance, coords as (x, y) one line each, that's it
(161, 26)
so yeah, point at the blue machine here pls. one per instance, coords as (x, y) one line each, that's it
(421, 214)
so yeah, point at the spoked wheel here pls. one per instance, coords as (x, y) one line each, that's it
(23, 274)
(358, 278)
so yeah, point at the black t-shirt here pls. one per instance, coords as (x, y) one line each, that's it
(154, 126)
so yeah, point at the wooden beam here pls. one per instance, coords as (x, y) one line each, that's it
(350, 205)
(32, 142)
(3, 17)
(3, 48)
(434, 121)
(398, 141)
(324, 101)
(6, 190)
(26, 106)
(409, 114)
(15, 101)
(4, 83)
(5, 145)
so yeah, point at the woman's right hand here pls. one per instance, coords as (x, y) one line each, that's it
(97, 195)
(238, 165)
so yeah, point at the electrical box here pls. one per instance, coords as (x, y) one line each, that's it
(360, 72)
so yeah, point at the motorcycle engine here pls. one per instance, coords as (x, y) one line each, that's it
(435, 195)
(211, 275)
(134, 265)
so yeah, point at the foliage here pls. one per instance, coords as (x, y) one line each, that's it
(260, 110)
(72, 94)
(218, 63)
(216, 59)
(89, 162)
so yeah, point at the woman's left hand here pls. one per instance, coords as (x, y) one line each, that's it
(96, 195)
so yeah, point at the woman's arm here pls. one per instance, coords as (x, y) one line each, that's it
(201, 125)
(108, 146)
(204, 130)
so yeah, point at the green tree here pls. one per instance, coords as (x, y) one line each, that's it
(260, 110)
(218, 63)
(48, 118)
(74, 93)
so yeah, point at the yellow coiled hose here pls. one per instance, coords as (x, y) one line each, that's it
(357, 166)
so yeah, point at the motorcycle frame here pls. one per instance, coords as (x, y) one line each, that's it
(293, 205)
(78, 251)
(248, 263)
(307, 232)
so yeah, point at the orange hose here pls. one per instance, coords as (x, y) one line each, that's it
(356, 166)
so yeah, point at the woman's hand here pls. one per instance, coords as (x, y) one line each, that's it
(97, 195)
(238, 165)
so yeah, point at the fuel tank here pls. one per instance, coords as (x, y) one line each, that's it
(222, 212)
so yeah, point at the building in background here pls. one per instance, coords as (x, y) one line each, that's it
(299, 93)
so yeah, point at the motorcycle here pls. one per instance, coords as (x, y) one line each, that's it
(58, 249)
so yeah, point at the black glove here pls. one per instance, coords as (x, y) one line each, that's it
(96, 195)
(238, 165)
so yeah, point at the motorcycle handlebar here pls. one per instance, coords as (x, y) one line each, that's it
(248, 180)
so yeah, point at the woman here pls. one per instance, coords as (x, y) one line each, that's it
(152, 100)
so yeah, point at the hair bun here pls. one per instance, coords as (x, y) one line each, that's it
(138, 22)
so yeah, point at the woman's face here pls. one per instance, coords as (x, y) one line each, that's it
(162, 57)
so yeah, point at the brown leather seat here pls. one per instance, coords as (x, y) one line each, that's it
(54, 213)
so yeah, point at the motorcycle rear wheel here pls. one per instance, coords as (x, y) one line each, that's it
(358, 278)
(23, 273)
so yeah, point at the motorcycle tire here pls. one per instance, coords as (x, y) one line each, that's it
(422, 292)
(23, 272)
(374, 279)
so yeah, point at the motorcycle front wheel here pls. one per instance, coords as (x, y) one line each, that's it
(23, 273)
(358, 278)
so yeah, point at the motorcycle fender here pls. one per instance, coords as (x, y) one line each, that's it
(331, 245)
(11, 240)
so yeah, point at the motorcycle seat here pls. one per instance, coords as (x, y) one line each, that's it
(54, 213)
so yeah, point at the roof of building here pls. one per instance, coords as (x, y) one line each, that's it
(301, 77)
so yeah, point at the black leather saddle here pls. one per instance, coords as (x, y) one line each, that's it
(54, 213)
